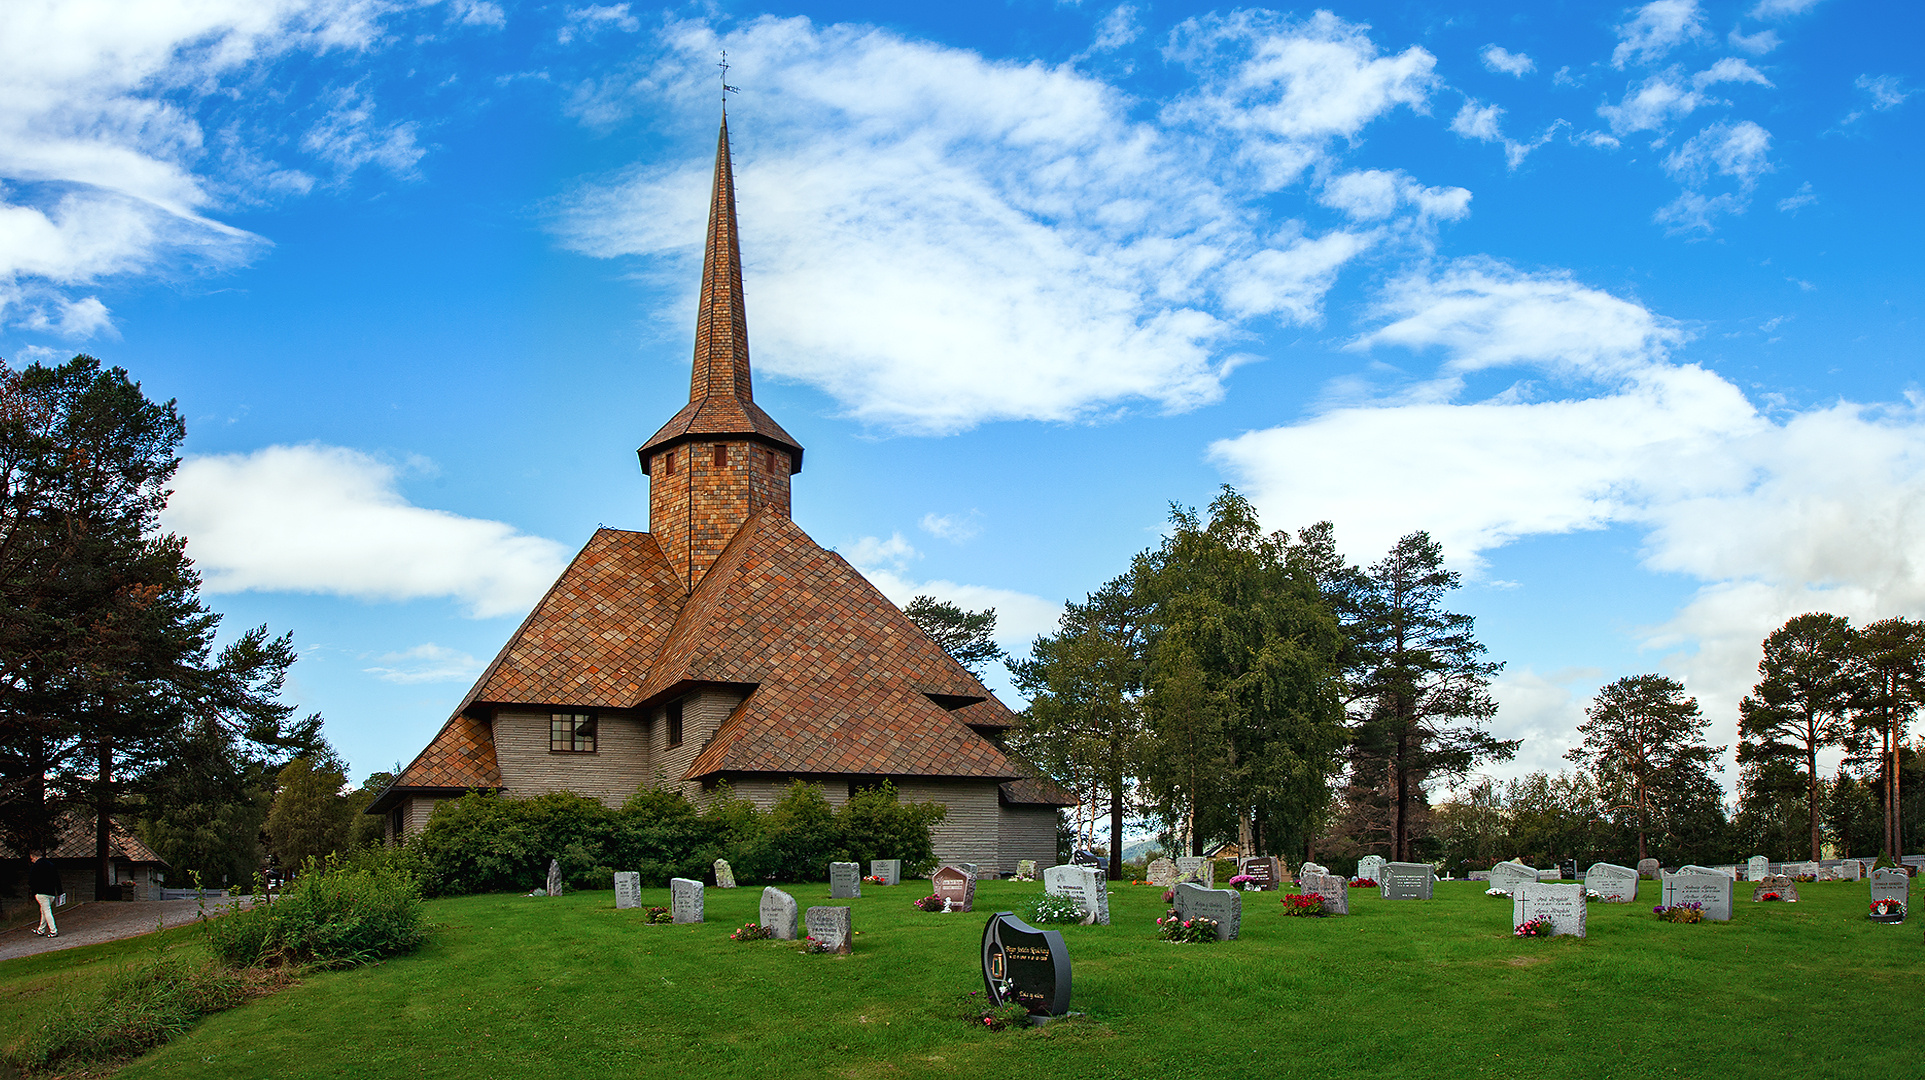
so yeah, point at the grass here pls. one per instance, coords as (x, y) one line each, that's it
(510, 986)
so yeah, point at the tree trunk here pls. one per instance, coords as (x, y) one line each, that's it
(1116, 832)
(1400, 807)
(1644, 822)
(103, 824)
(1898, 792)
(1811, 787)
(1891, 804)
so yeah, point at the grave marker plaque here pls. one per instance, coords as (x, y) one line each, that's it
(1892, 883)
(685, 899)
(889, 870)
(845, 881)
(1161, 872)
(778, 913)
(1084, 885)
(1372, 868)
(1025, 966)
(1612, 883)
(1713, 890)
(954, 884)
(1224, 905)
(1757, 868)
(1563, 905)
(1026, 869)
(1264, 871)
(832, 926)
(1334, 889)
(1408, 881)
(1648, 869)
(724, 874)
(1198, 868)
(628, 889)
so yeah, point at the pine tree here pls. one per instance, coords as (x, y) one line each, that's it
(1642, 739)
(1799, 706)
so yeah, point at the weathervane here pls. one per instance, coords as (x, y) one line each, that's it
(726, 88)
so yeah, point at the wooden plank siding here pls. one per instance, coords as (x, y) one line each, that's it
(1027, 832)
(611, 773)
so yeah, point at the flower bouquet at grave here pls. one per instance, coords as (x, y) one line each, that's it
(1176, 928)
(931, 902)
(875, 879)
(1495, 891)
(1538, 927)
(1363, 883)
(813, 947)
(1308, 905)
(1769, 896)
(1242, 881)
(1169, 896)
(1680, 913)
(657, 915)
(1802, 878)
(752, 932)
(1888, 909)
(1056, 909)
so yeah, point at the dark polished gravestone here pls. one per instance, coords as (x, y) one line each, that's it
(845, 881)
(1193, 901)
(628, 889)
(955, 885)
(1264, 871)
(1025, 966)
(778, 913)
(1408, 881)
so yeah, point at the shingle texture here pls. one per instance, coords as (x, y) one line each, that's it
(76, 840)
(461, 755)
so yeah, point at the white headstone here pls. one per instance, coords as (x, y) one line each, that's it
(1084, 885)
(628, 889)
(1757, 868)
(1313, 868)
(889, 870)
(1563, 905)
(1649, 868)
(685, 899)
(1892, 883)
(1509, 875)
(1161, 872)
(554, 877)
(845, 881)
(1851, 870)
(778, 913)
(724, 874)
(1711, 889)
(832, 926)
(1372, 868)
(1612, 883)
(1224, 905)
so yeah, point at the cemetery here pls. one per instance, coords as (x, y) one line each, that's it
(512, 985)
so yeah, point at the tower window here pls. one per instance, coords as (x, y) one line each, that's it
(674, 724)
(572, 733)
(721, 455)
(668, 463)
(768, 460)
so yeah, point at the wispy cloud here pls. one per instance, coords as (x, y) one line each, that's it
(1505, 62)
(1656, 29)
(425, 663)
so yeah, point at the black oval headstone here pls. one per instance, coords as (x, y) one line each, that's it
(1025, 965)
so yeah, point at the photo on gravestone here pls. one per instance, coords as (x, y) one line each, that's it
(1083, 885)
(831, 927)
(955, 885)
(685, 897)
(1223, 906)
(628, 889)
(1025, 966)
(1407, 881)
(1611, 883)
(778, 913)
(845, 881)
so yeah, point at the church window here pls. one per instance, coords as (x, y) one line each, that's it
(572, 733)
(721, 455)
(668, 463)
(674, 723)
(768, 460)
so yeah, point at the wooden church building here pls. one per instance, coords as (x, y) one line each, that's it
(724, 644)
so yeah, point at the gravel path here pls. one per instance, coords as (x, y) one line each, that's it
(91, 924)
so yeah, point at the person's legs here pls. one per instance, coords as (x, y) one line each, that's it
(46, 915)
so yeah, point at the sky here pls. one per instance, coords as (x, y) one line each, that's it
(1620, 303)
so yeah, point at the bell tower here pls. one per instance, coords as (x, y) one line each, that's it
(721, 458)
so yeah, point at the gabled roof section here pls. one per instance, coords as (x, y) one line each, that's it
(721, 398)
(591, 640)
(461, 756)
(842, 675)
(76, 840)
(1036, 791)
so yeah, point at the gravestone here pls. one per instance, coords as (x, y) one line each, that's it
(1892, 883)
(1089, 858)
(1916, 862)
(1407, 881)
(1757, 868)
(1025, 966)
(1478, 875)
(1084, 885)
(1509, 875)
(1372, 868)
(1786, 888)
(554, 877)
(1264, 871)
(889, 870)
(1693, 868)
(845, 881)
(685, 899)
(1334, 888)
(1648, 869)
(1193, 901)
(1851, 870)
(1713, 890)
(831, 926)
(1161, 872)
(1612, 883)
(1567, 870)
(1563, 905)
(778, 913)
(1197, 868)
(971, 867)
(628, 889)
(1313, 868)
(954, 884)
(724, 874)
(1553, 874)
(1026, 869)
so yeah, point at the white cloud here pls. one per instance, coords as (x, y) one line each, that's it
(1735, 150)
(1694, 211)
(1116, 29)
(479, 13)
(426, 663)
(1651, 105)
(1756, 44)
(872, 551)
(1656, 29)
(1729, 70)
(1476, 120)
(590, 20)
(954, 528)
(1020, 617)
(1779, 9)
(349, 137)
(1505, 62)
(1887, 91)
(954, 240)
(1375, 195)
(1804, 196)
(324, 519)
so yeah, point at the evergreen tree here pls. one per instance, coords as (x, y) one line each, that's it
(309, 817)
(1888, 688)
(1799, 705)
(969, 637)
(1642, 739)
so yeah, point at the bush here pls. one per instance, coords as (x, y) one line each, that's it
(876, 825)
(139, 1008)
(331, 916)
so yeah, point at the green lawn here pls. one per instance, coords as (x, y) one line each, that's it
(513, 986)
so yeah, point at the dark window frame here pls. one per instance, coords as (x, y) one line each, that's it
(673, 728)
(668, 463)
(721, 456)
(583, 727)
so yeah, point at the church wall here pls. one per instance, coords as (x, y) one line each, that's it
(702, 712)
(668, 507)
(697, 511)
(970, 833)
(420, 809)
(765, 792)
(618, 765)
(1026, 832)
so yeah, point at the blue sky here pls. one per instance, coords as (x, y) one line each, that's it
(1621, 302)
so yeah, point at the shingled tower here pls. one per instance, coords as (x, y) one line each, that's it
(721, 459)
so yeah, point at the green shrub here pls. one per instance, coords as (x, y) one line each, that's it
(139, 1008)
(332, 916)
(875, 824)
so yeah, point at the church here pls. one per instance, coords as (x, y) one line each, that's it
(724, 645)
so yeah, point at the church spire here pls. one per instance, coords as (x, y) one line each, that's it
(721, 324)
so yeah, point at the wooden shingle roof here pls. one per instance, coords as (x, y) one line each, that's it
(460, 757)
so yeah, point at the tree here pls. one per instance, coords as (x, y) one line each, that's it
(1888, 688)
(967, 636)
(1643, 742)
(1418, 686)
(1799, 704)
(309, 817)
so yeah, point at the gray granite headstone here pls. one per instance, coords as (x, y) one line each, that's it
(1612, 883)
(1785, 887)
(1161, 872)
(1371, 867)
(1563, 905)
(1224, 905)
(724, 874)
(1197, 868)
(955, 885)
(831, 926)
(1649, 869)
(1084, 885)
(1509, 875)
(1693, 868)
(685, 899)
(1892, 883)
(1264, 871)
(1851, 870)
(1407, 881)
(845, 881)
(1334, 889)
(778, 913)
(554, 877)
(1757, 868)
(628, 889)
(1713, 890)
(889, 870)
